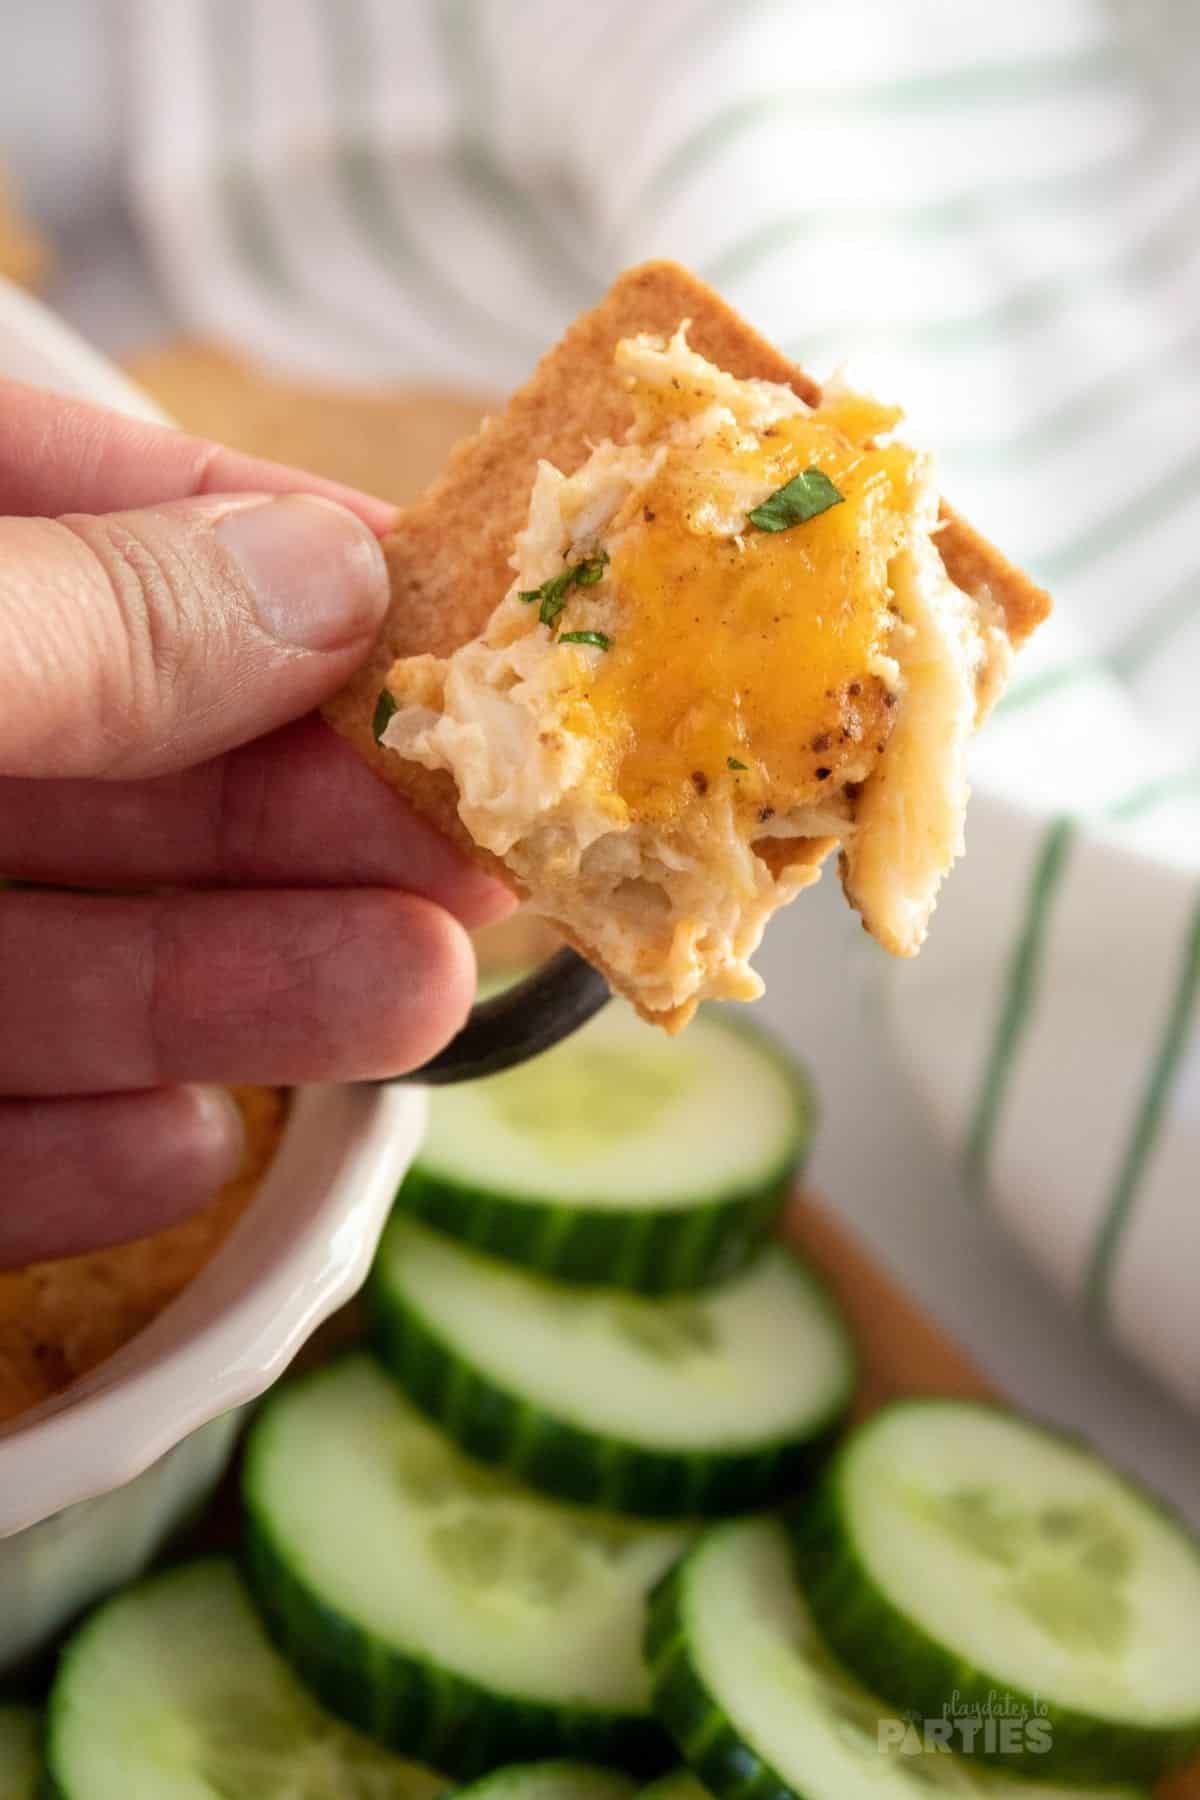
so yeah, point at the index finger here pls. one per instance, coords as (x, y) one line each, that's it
(63, 456)
(297, 808)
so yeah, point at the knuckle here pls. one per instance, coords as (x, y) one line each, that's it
(153, 634)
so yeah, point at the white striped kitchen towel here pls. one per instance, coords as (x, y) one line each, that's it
(993, 215)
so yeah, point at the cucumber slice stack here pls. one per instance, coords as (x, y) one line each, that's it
(759, 1706)
(435, 1603)
(707, 1403)
(479, 1543)
(453, 1544)
(20, 1758)
(622, 1157)
(410, 1542)
(954, 1549)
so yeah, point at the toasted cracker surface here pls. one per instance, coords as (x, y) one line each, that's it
(448, 558)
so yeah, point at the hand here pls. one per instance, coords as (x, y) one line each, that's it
(169, 612)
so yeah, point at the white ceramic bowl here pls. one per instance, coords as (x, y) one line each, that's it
(92, 1483)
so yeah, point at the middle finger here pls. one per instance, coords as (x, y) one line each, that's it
(103, 994)
(296, 808)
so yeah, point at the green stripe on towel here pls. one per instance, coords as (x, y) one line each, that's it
(1127, 657)
(923, 220)
(254, 244)
(459, 27)
(1164, 1070)
(230, 69)
(368, 187)
(1144, 510)
(1158, 791)
(1020, 998)
(1161, 249)
(1097, 405)
(1177, 608)
(1052, 681)
(968, 86)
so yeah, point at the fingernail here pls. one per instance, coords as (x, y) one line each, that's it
(316, 574)
(218, 1134)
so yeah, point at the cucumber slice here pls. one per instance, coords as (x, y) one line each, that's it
(680, 1784)
(435, 1603)
(172, 1689)
(760, 1709)
(20, 1760)
(550, 1781)
(702, 1404)
(955, 1550)
(621, 1156)
(967, 1782)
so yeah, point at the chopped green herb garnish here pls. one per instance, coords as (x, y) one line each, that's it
(731, 762)
(801, 498)
(549, 590)
(385, 706)
(552, 594)
(596, 638)
(588, 572)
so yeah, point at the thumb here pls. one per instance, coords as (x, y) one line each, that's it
(139, 642)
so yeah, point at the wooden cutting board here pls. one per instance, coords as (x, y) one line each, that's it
(902, 1350)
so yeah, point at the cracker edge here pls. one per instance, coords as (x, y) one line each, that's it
(571, 386)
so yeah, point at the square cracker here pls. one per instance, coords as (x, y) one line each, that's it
(448, 558)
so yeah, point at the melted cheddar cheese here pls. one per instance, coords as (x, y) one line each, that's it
(761, 648)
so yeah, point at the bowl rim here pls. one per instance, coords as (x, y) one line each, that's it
(40, 348)
(300, 1249)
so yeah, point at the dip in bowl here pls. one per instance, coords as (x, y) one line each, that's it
(98, 1472)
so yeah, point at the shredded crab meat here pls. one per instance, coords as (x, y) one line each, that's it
(676, 913)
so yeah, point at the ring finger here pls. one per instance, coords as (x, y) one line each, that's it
(281, 986)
